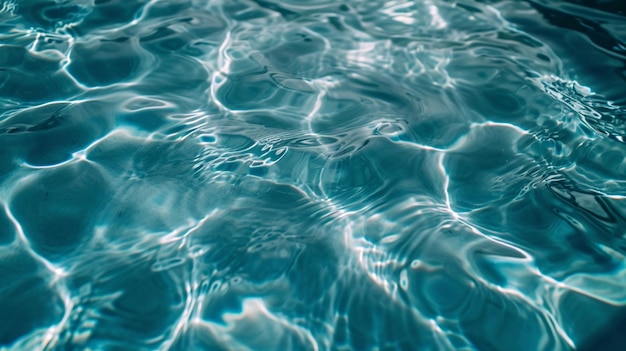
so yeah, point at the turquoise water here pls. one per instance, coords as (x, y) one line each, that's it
(312, 175)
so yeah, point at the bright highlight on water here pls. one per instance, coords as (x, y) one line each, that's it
(312, 175)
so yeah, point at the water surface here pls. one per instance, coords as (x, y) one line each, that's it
(312, 175)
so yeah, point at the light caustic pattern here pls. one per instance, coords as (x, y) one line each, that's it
(309, 175)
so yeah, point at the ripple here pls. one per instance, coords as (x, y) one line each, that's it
(51, 14)
(49, 134)
(32, 296)
(29, 78)
(598, 114)
(100, 63)
(55, 231)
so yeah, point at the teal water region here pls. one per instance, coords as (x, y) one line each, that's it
(312, 175)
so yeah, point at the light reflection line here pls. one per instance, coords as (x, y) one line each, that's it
(174, 236)
(58, 272)
(80, 155)
(548, 314)
(182, 322)
(51, 336)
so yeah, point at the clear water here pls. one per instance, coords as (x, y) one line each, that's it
(312, 175)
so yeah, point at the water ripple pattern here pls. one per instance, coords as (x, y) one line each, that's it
(312, 175)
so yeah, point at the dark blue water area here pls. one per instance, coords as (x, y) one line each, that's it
(312, 175)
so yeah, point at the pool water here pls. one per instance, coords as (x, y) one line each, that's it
(312, 175)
